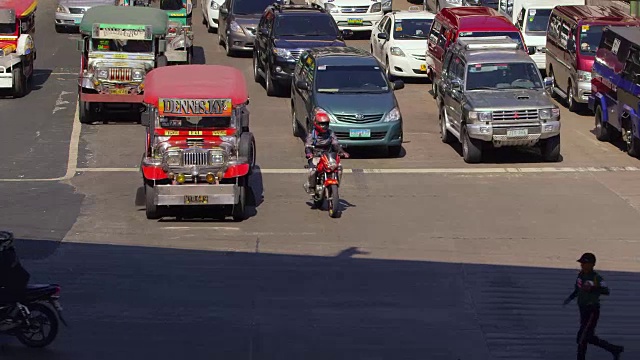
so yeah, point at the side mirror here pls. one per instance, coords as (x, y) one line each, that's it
(162, 45)
(224, 11)
(80, 45)
(383, 36)
(548, 83)
(145, 118)
(302, 85)
(456, 85)
(571, 45)
(398, 85)
(531, 50)
(347, 33)
(263, 31)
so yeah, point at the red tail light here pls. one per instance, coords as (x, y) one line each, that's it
(172, 30)
(57, 292)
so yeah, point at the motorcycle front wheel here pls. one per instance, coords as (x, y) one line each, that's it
(43, 327)
(333, 200)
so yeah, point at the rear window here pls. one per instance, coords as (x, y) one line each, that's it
(512, 34)
(536, 20)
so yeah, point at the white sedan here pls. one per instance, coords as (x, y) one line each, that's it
(400, 42)
(210, 11)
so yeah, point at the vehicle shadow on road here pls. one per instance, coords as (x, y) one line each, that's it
(509, 155)
(40, 77)
(199, 56)
(123, 301)
(616, 140)
(377, 152)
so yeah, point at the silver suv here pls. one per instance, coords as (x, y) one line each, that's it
(491, 94)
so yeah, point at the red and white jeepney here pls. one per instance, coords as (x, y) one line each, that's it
(18, 50)
(199, 150)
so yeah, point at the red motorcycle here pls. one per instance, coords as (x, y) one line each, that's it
(327, 182)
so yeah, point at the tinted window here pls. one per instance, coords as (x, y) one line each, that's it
(589, 39)
(411, 28)
(250, 7)
(632, 65)
(503, 76)
(537, 20)
(564, 34)
(301, 25)
(435, 32)
(512, 34)
(133, 46)
(171, 5)
(7, 28)
(351, 79)
(554, 26)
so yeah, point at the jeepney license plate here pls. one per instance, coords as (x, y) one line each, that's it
(196, 199)
(120, 91)
(354, 21)
(78, 21)
(517, 132)
(360, 133)
(423, 67)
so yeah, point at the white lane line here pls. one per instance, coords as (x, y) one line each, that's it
(74, 143)
(199, 228)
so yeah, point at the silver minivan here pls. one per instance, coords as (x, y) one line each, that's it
(69, 13)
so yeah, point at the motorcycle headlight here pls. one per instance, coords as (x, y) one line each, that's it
(235, 27)
(396, 51)
(377, 7)
(173, 158)
(216, 157)
(62, 9)
(137, 75)
(479, 115)
(102, 74)
(332, 164)
(331, 8)
(282, 53)
(393, 115)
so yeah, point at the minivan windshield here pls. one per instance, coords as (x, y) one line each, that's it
(351, 79)
(9, 28)
(195, 122)
(515, 35)
(494, 76)
(411, 29)
(535, 23)
(250, 7)
(301, 25)
(130, 46)
(171, 5)
(590, 39)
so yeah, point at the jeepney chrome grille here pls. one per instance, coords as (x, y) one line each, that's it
(528, 114)
(194, 158)
(354, 9)
(120, 74)
(77, 10)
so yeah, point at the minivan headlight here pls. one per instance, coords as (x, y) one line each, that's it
(235, 27)
(479, 115)
(546, 114)
(393, 115)
(62, 9)
(282, 53)
(331, 8)
(377, 7)
(584, 75)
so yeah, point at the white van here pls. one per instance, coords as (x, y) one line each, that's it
(532, 17)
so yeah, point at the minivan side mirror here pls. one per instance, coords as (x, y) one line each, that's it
(398, 85)
(456, 85)
(162, 45)
(224, 10)
(80, 45)
(548, 83)
(263, 31)
(571, 45)
(382, 36)
(302, 85)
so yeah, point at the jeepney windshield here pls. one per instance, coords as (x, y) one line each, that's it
(196, 122)
(7, 28)
(171, 5)
(129, 46)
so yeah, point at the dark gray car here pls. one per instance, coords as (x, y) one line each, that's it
(238, 22)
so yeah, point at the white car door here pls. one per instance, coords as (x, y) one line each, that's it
(373, 40)
(383, 44)
(379, 43)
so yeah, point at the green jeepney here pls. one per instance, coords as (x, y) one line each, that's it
(179, 33)
(119, 46)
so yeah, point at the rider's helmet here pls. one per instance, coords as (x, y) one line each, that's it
(321, 121)
(6, 240)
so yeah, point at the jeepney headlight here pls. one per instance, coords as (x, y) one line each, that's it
(102, 74)
(173, 158)
(546, 114)
(216, 157)
(479, 116)
(62, 9)
(137, 75)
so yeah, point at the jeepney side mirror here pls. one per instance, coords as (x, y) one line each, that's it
(162, 45)
(548, 83)
(145, 118)
(80, 45)
(302, 85)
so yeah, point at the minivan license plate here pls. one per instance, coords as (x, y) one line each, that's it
(360, 133)
(352, 21)
(196, 199)
(517, 132)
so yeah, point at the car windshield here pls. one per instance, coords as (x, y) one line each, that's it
(250, 7)
(351, 79)
(495, 76)
(131, 46)
(301, 25)
(195, 122)
(537, 20)
(512, 34)
(590, 39)
(9, 28)
(411, 29)
(171, 5)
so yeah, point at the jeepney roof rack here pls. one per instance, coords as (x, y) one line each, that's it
(488, 42)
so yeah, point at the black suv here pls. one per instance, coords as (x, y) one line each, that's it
(284, 32)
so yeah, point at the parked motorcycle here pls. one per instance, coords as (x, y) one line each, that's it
(34, 320)
(327, 182)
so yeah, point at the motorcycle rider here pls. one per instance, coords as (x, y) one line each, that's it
(320, 139)
(13, 281)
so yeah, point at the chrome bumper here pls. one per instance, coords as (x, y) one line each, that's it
(221, 194)
(497, 134)
(176, 55)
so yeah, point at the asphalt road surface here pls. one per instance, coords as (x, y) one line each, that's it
(432, 259)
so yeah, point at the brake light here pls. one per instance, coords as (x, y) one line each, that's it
(322, 116)
(172, 30)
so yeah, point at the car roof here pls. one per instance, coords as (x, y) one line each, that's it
(477, 18)
(347, 55)
(413, 15)
(490, 54)
(125, 15)
(295, 9)
(629, 33)
(195, 82)
(593, 13)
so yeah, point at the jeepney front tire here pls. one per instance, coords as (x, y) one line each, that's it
(239, 212)
(84, 113)
(550, 149)
(19, 83)
(471, 148)
(602, 128)
(151, 209)
(247, 148)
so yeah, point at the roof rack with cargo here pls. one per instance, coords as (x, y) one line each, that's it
(488, 42)
(292, 7)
